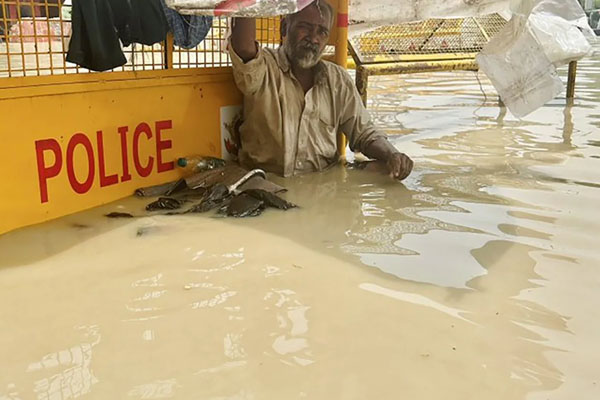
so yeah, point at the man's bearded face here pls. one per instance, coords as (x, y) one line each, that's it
(307, 36)
(302, 52)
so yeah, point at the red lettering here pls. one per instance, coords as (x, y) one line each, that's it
(104, 180)
(45, 172)
(141, 170)
(50, 169)
(123, 133)
(80, 138)
(163, 145)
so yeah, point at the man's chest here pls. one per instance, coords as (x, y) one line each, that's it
(306, 112)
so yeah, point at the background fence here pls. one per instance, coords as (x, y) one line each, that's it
(432, 37)
(34, 40)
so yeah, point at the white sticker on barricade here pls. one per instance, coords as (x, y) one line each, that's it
(231, 119)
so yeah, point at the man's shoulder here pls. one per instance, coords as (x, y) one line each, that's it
(333, 68)
(338, 76)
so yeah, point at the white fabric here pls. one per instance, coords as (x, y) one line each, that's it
(238, 8)
(521, 60)
(366, 14)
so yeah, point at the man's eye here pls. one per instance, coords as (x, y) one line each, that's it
(323, 32)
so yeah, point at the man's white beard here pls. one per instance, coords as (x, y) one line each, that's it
(307, 61)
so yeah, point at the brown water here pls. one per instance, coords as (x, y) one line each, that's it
(478, 278)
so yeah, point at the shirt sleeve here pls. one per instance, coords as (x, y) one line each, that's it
(355, 120)
(249, 76)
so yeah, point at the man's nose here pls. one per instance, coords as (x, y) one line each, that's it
(314, 36)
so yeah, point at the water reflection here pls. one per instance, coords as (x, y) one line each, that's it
(161, 389)
(414, 299)
(67, 373)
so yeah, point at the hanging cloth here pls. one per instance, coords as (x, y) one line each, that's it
(94, 41)
(188, 30)
(98, 25)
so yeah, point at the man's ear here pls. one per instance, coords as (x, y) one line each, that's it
(283, 27)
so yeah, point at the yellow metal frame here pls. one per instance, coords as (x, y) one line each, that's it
(380, 62)
(572, 77)
(341, 54)
(363, 72)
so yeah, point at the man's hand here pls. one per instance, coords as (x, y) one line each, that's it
(399, 165)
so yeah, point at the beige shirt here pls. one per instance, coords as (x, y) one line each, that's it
(287, 132)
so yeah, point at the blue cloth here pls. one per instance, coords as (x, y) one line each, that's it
(188, 30)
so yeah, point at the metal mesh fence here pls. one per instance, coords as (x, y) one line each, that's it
(35, 34)
(434, 36)
(207, 53)
(34, 40)
(212, 51)
(33, 37)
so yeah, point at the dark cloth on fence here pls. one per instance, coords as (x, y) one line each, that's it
(97, 26)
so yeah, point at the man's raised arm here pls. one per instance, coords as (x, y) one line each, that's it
(243, 38)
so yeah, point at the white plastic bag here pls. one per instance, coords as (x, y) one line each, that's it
(562, 41)
(368, 14)
(521, 59)
(519, 69)
(561, 27)
(238, 8)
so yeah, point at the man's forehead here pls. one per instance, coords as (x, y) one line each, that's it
(314, 14)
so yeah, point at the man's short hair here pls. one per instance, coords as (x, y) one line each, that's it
(321, 5)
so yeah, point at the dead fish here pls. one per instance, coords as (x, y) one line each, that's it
(269, 199)
(244, 205)
(118, 215)
(191, 194)
(216, 192)
(79, 226)
(166, 189)
(164, 203)
(214, 197)
(145, 230)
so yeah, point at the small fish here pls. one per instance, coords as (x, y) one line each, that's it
(145, 230)
(269, 199)
(216, 196)
(118, 215)
(164, 203)
(244, 205)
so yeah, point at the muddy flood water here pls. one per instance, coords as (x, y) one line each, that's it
(478, 278)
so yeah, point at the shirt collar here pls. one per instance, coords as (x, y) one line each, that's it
(284, 64)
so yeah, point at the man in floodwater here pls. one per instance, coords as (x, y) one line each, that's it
(295, 103)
